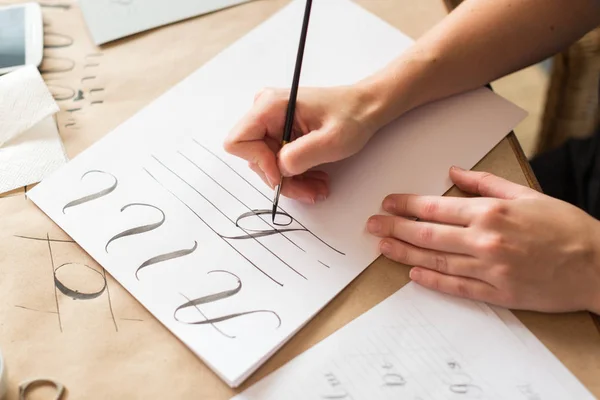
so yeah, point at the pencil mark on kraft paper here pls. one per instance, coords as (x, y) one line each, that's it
(211, 228)
(197, 302)
(262, 194)
(93, 196)
(53, 275)
(66, 290)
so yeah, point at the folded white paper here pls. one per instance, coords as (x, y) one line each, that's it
(25, 101)
(31, 147)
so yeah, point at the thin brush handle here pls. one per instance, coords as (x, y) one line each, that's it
(291, 109)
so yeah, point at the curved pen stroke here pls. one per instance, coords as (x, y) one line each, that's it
(93, 196)
(215, 297)
(76, 294)
(166, 257)
(227, 217)
(138, 229)
(262, 194)
(212, 229)
(239, 201)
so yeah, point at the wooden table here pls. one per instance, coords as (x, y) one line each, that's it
(110, 346)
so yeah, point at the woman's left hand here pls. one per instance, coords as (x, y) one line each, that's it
(514, 247)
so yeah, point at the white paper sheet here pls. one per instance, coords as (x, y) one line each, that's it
(164, 174)
(25, 101)
(31, 147)
(109, 20)
(419, 344)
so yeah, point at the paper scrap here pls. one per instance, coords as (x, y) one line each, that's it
(110, 20)
(32, 148)
(420, 344)
(25, 100)
(178, 222)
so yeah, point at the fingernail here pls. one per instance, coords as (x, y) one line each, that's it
(457, 168)
(321, 197)
(389, 204)
(269, 181)
(414, 274)
(386, 248)
(374, 226)
(307, 200)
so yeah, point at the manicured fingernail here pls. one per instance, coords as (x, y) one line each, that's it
(321, 197)
(374, 226)
(414, 274)
(386, 248)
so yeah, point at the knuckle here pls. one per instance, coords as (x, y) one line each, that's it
(462, 289)
(491, 243)
(425, 235)
(494, 211)
(440, 263)
(430, 208)
(401, 254)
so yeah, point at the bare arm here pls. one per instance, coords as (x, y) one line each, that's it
(480, 41)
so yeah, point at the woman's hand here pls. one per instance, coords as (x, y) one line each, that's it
(515, 247)
(330, 124)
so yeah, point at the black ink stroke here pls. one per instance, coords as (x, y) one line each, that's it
(262, 194)
(93, 196)
(76, 294)
(110, 307)
(216, 297)
(44, 239)
(66, 94)
(165, 257)
(211, 228)
(55, 293)
(227, 217)
(138, 229)
(251, 212)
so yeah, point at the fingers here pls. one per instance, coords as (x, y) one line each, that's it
(448, 210)
(445, 263)
(455, 285)
(426, 235)
(306, 152)
(246, 141)
(310, 187)
(488, 185)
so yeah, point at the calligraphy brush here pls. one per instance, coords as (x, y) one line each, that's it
(291, 109)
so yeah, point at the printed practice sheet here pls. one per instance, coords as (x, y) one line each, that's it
(420, 344)
(186, 228)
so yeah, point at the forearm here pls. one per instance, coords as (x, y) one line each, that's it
(477, 43)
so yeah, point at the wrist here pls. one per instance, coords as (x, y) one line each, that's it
(594, 304)
(398, 88)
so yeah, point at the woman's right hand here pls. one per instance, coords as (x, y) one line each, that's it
(330, 124)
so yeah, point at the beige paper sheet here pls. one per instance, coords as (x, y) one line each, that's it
(105, 345)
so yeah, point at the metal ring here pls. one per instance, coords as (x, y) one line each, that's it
(25, 386)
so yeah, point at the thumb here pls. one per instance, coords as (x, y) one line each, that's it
(306, 152)
(488, 185)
